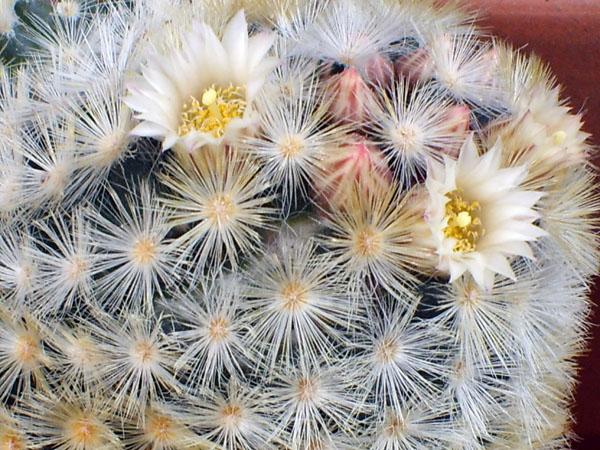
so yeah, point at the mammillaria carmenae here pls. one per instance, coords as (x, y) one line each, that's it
(286, 224)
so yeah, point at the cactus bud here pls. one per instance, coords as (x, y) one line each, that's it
(357, 164)
(416, 66)
(379, 70)
(353, 100)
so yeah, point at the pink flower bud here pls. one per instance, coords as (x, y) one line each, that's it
(457, 122)
(356, 165)
(352, 98)
(458, 119)
(416, 66)
(379, 70)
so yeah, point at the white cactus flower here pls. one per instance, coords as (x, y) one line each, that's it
(478, 215)
(203, 93)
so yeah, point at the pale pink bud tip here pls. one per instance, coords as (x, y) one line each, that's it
(358, 164)
(458, 119)
(457, 122)
(416, 66)
(353, 100)
(379, 70)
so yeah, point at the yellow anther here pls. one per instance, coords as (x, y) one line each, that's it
(463, 223)
(559, 137)
(216, 108)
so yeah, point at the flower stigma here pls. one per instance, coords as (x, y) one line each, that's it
(559, 137)
(213, 112)
(463, 223)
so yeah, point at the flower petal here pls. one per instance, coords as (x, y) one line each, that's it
(148, 129)
(235, 43)
(258, 46)
(499, 264)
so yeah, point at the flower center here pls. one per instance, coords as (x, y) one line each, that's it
(213, 112)
(559, 137)
(463, 223)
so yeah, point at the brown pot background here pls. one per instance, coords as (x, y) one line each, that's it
(566, 34)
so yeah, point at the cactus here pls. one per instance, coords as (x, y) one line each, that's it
(286, 224)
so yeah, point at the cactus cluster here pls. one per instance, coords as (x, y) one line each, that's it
(286, 224)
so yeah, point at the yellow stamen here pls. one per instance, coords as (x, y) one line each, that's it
(463, 223)
(216, 108)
